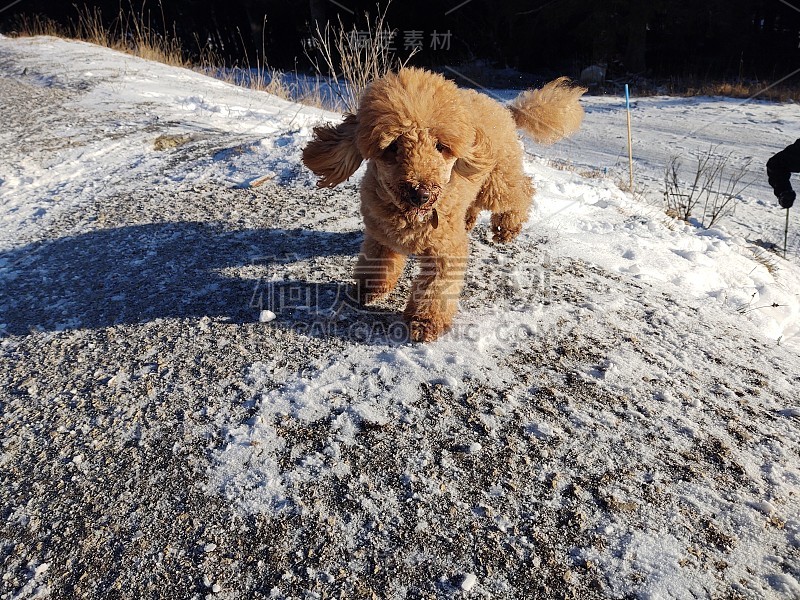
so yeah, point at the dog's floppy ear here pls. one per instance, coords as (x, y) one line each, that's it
(333, 154)
(478, 160)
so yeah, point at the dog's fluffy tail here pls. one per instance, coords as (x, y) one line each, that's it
(549, 113)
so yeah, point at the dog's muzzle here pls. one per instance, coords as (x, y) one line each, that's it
(422, 199)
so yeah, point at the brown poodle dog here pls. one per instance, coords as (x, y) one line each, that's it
(438, 155)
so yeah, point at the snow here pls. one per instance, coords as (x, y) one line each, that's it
(468, 582)
(686, 127)
(656, 310)
(265, 316)
(135, 94)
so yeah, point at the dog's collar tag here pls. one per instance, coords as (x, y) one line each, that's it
(434, 219)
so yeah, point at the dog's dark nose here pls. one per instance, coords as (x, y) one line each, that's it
(422, 195)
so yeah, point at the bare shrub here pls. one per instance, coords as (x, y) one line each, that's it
(352, 59)
(716, 184)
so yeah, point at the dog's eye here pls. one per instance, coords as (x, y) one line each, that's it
(440, 147)
(392, 147)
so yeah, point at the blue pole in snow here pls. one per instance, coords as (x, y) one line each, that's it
(630, 140)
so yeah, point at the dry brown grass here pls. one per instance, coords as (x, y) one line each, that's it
(129, 32)
(272, 81)
(135, 34)
(132, 33)
(33, 25)
(765, 258)
(761, 90)
(585, 172)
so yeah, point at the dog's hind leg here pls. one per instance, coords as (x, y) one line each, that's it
(435, 293)
(377, 270)
(507, 225)
(509, 198)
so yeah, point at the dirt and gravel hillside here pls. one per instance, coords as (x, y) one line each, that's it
(583, 433)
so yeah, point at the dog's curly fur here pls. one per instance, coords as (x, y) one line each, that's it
(437, 156)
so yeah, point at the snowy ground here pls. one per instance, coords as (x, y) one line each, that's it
(615, 413)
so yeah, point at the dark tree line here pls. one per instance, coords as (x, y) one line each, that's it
(751, 39)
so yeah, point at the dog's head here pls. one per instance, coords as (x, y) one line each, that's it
(414, 127)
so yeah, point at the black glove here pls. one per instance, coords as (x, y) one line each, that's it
(786, 199)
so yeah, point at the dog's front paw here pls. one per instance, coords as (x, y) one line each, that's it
(365, 295)
(425, 329)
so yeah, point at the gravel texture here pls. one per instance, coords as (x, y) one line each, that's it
(127, 353)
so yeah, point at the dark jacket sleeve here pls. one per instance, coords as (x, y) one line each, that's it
(781, 166)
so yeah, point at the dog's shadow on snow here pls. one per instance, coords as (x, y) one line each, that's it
(141, 273)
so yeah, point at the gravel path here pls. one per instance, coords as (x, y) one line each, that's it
(126, 360)
(127, 351)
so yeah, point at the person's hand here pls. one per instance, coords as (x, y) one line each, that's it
(786, 199)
